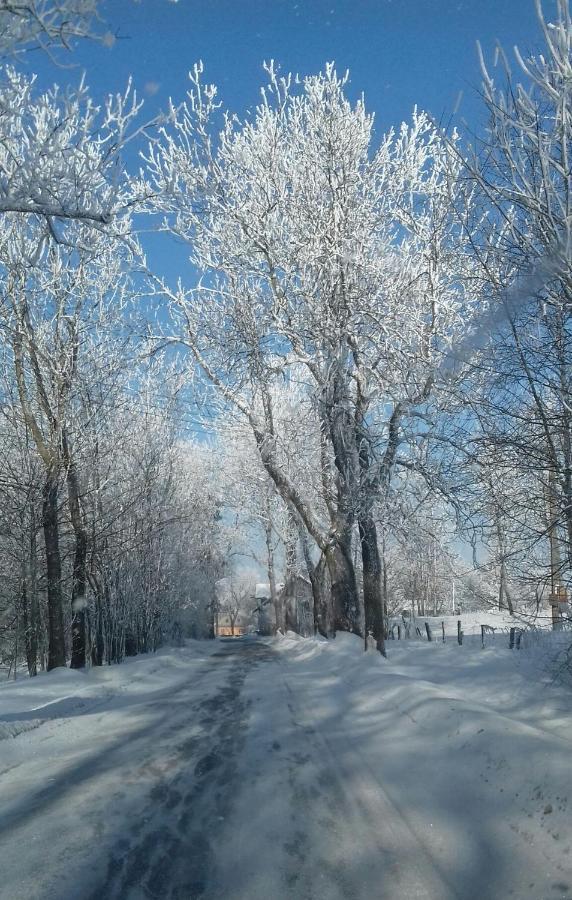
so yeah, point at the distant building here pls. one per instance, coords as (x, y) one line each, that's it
(225, 628)
(233, 616)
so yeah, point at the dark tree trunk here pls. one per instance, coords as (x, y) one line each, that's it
(317, 573)
(33, 584)
(79, 642)
(290, 605)
(29, 636)
(372, 582)
(79, 575)
(97, 637)
(323, 623)
(56, 634)
(344, 591)
(29, 601)
(384, 585)
(289, 598)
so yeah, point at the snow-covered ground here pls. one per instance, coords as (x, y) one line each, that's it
(471, 622)
(293, 768)
(473, 746)
(27, 703)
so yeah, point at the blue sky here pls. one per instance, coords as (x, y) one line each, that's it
(399, 52)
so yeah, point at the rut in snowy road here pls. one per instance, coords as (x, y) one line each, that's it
(171, 850)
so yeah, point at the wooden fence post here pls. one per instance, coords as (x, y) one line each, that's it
(428, 630)
(459, 633)
(443, 630)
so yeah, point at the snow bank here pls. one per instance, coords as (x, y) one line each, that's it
(28, 703)
(472, 745)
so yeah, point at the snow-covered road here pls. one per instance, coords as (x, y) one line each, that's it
(253, 773)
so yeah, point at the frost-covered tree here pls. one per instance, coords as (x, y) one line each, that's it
(319, 254)
(56, 304)
(150, 516)
(60, 154)
(521, 392)
(50, 25)
(270, 528)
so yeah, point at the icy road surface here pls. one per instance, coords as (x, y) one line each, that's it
(235, 783)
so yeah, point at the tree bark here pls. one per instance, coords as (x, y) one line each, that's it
(97, 626)
(79, 574)
(277, 602)
(345, 597)
(50, 525)
(372, 582)
(27, 626)
(323, 622)
(35, 624)
(317, 574)
(384, 584)
(503, 593)
(29, 601)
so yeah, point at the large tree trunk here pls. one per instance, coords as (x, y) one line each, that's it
(35, 625)
(275, 597)
(384, 584)
(78, 601)
(289, 601)
(28, 633)
(372, 582)
(503, 593)
(289, 597)
(97, 625)
(345, 595)
(291, 545)
(79, 575)
(323, 622)
(344, 591)
(30, 610)
(56, 634)
(317, 573)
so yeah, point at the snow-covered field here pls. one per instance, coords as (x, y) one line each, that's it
(444, 771)
(63, 694)
(473, 746)
(471, 622)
